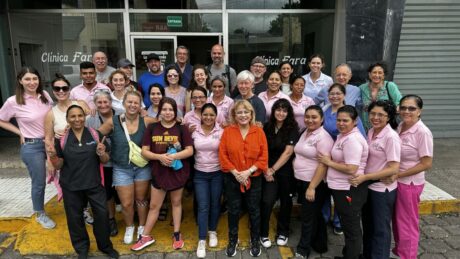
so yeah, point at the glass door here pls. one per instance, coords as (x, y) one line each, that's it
(142, 46)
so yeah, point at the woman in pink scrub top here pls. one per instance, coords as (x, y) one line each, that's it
(416, 158)
(383, 161)
(348, 159)
(29, 107)
(310, 175)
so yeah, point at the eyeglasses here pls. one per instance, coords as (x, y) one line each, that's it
(173, 75)
(198, 97)
(408, 108)
(377, 115)
(61, 88)
(258, 66)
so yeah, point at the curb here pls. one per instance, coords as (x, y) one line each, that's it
(439, 206)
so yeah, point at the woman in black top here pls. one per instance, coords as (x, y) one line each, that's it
(78, 155)
(282, 134)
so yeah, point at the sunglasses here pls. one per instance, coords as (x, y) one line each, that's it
(407, 108)
(102, 90)
(61, 88)
(173, 75)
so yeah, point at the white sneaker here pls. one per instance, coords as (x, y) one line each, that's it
(201, 250)
(88, 217)
(265, 242)
(129, 235)
(45, 221)
(212, 238)
(140, 230)
(282, 240)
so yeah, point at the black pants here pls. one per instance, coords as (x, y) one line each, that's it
(377, 213)
(234, 200)
(349, 205)
(74, 202)
(313, 231)
(280, 188)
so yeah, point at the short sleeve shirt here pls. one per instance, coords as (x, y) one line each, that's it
(306, 151)
(179, 98)
(80, 170)
(277, 142)
(299, 109)
(268, 102)
(383, 148)
(416, 142)
(80, 92)
(312, 89)
(207, 149)
(223, 107)
(351, 149)
(30, 116)
(158, 138)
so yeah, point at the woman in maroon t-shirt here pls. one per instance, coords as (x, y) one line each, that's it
(158, 138)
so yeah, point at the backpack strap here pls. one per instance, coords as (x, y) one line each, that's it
(227, 72)
(101, 167)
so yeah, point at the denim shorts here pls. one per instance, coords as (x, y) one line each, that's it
(127, 176)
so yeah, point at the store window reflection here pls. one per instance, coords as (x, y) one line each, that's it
(65, 4)
(281, 4)
(278, 37)
(175, 4)
(60, 42)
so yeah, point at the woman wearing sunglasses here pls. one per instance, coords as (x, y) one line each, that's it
(416, 158)
(174, 90)
(56, 122)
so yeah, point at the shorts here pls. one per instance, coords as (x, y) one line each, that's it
(127, 176)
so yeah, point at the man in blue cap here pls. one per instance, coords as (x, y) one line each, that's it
(154, 75)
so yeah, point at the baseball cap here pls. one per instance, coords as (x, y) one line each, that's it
(258, 60)
(124, 62)
(152, 56)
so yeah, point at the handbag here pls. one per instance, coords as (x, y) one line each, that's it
(135, 156)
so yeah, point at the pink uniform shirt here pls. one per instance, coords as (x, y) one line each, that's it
(384, 148)
(80, 92)
(268, 103)
(207, 149)
(350, 149)
(30, 116)
(306, 151)
(416, 142)
(191, 118)
(223, 108)
(299, 109)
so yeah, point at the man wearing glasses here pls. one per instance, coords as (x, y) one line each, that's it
(85, 91)
(154, 75)
(258, 69)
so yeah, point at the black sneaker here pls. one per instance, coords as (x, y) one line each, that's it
(255, 249)
(113, 227)
(112, 253)
(231, 248)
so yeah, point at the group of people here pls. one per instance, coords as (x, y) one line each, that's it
(243, 141)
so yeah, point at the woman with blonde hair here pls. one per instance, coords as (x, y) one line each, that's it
(242, 172)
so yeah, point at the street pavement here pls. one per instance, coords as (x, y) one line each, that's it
(440, 233)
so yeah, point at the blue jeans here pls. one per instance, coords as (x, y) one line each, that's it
(208, 189)
(377, 215)
(326, 211)
(34, 157)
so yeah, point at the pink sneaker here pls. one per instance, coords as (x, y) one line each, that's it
(142, 243)
(178, 243)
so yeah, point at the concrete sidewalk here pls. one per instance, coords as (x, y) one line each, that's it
(20, 237)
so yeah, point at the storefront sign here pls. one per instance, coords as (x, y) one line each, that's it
(276, 61)
(174, 21)
(51, 57)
